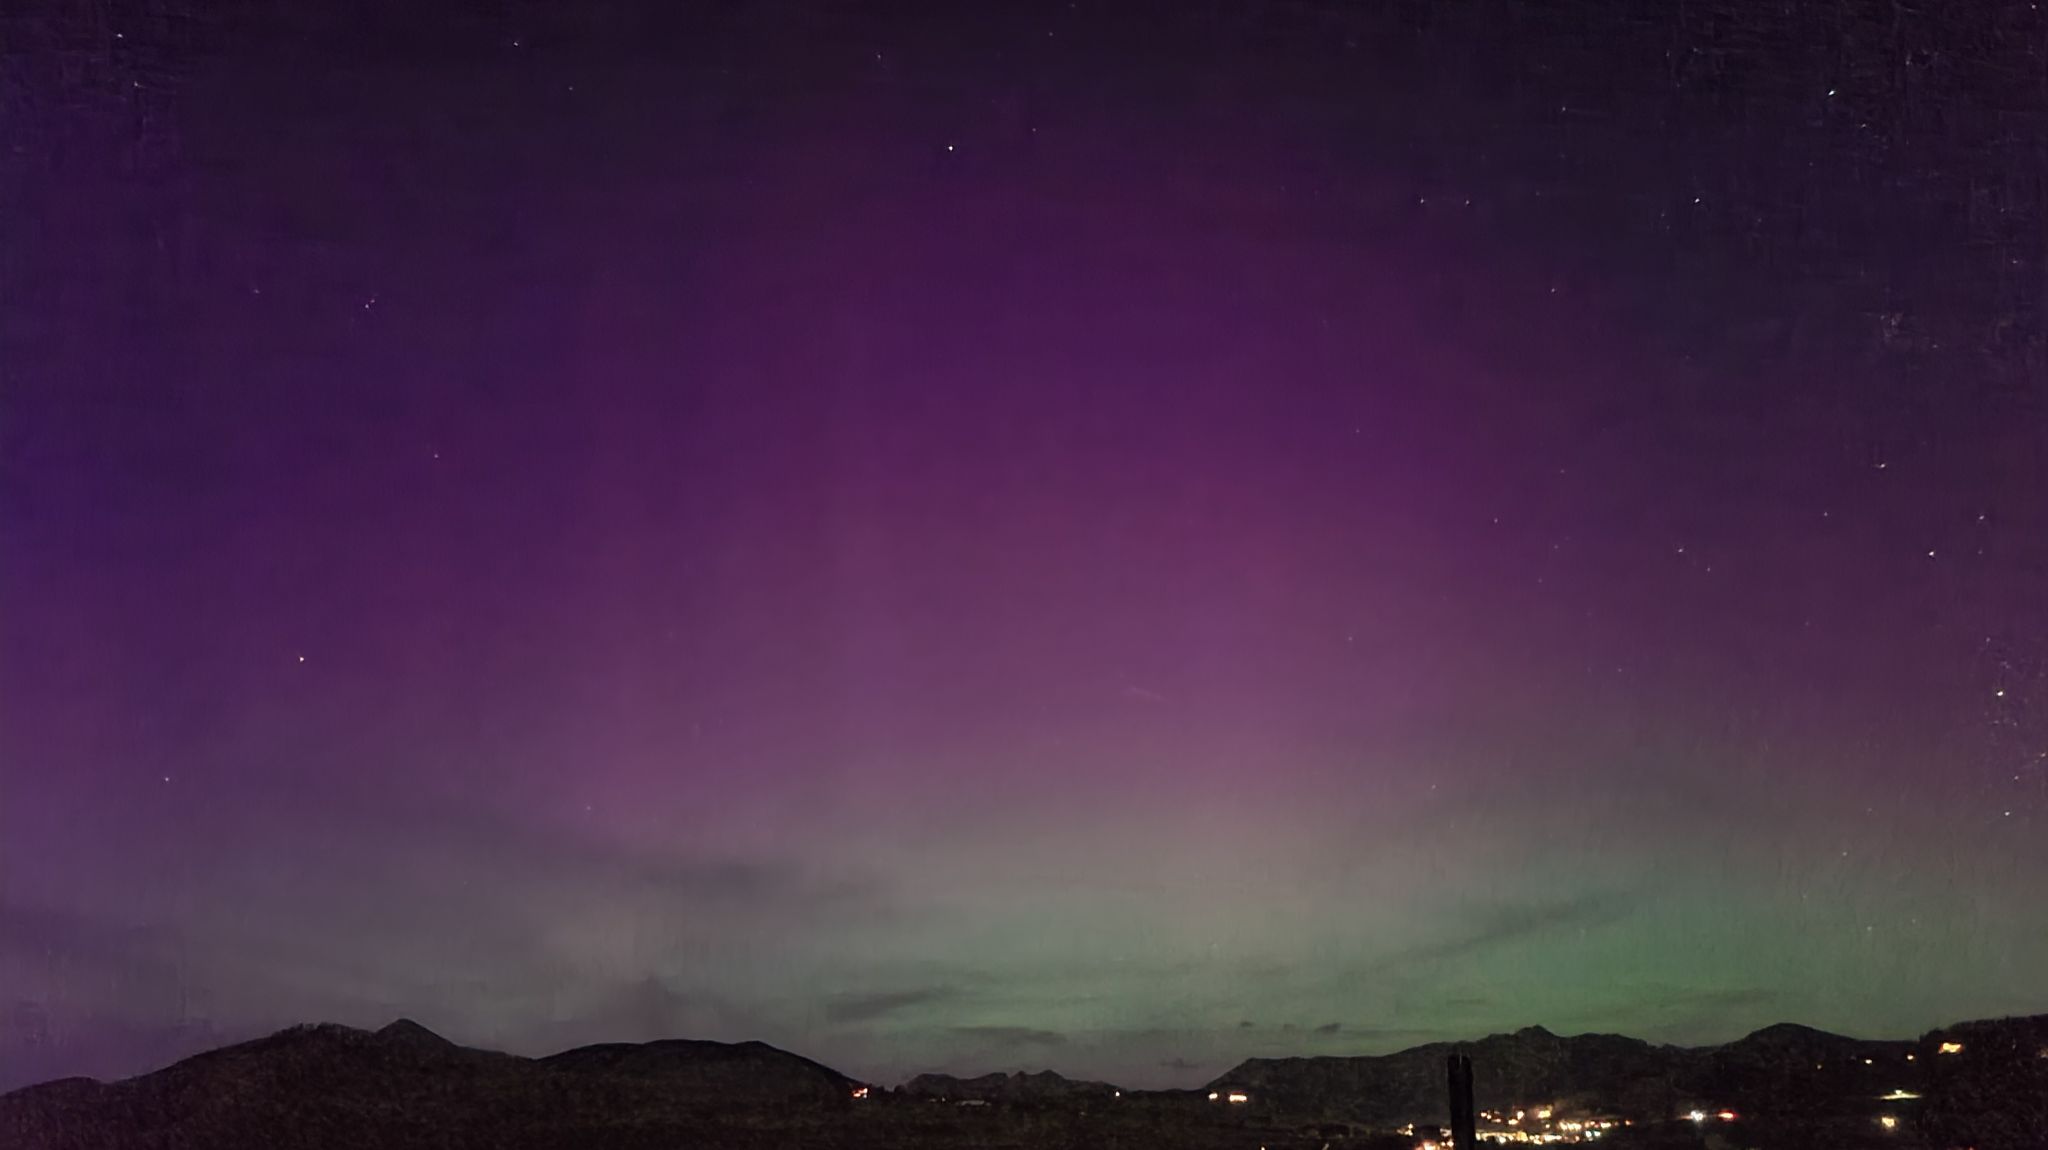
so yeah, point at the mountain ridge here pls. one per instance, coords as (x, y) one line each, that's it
(1981, 1083)
(411, 1033)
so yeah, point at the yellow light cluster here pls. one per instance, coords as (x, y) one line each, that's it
(1565, 1132)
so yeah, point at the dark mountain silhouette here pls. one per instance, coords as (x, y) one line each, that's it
(1780, 1069)
(1020, 1087)
(404, 1085)
(1982, 1084)
(406, 1033)
(1530, 1064)
(746, 1072)
(1992, 1093)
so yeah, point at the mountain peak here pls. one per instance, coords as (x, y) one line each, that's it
(411, 1033)
(1787, 1033)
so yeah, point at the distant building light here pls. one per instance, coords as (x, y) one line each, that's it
(1543, 1113)
(1727, 1115)
(1239, 1099)
(1888, 1122)
(1698, 1115)
(1899, 1095)
(860, 1092)
(1951, 1048)
(1213, 1096)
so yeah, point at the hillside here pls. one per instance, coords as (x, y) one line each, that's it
(327, 1085)
(1019, 1088)
(1978, 1083)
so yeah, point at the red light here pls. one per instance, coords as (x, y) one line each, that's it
(1727, 1115)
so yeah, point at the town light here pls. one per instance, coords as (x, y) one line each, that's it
(1951, 1048)
(1888, 1122)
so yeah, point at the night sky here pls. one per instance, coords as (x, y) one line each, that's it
(1113, 537)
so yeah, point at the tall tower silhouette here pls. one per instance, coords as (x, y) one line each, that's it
(1463, 1129)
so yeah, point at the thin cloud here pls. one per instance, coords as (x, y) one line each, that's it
(1011, 1037)
(870, 1007)
(1495, 926)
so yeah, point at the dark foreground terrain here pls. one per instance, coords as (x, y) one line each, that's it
(1979, 1084)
